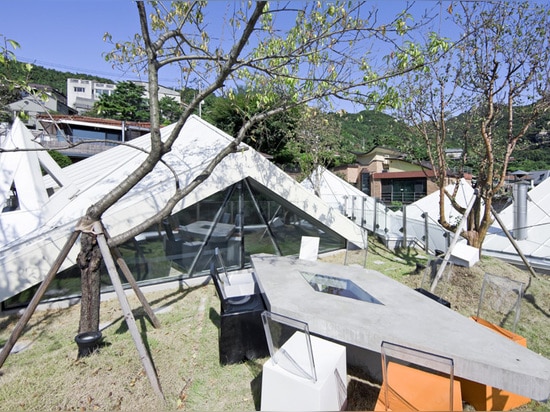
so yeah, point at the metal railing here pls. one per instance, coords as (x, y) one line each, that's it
(404, 198)
(417, 226)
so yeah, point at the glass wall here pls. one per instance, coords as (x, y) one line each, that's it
(404, 191)
(78, 134)
(243, 220)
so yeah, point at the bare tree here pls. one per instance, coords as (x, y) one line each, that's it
(290, 54)
(497, 67)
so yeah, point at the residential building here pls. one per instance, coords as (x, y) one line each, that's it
(385, 174)
(163, 91)
(47, 100)
(82, 94)
(454, 153)
(61, 131)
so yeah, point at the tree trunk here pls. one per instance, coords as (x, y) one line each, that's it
(89, 262)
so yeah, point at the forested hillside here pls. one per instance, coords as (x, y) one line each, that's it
(364, 130)
(369, 128)
(50, 77)
(532, 153)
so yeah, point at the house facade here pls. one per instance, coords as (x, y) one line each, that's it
(49, 101)
(383, 173)
(82, 94)
(90, 135)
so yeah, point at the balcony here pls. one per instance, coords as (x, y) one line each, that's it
(78, 147)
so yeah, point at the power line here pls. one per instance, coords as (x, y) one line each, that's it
(79, 70)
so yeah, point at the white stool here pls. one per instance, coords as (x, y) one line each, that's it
(302, 376)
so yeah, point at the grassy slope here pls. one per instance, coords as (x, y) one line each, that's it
(47, 376)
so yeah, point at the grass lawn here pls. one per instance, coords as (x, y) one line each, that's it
(46, 374)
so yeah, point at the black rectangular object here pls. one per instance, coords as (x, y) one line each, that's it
(434, 297)
(241, 335)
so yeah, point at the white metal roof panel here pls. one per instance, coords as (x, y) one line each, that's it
(27, 259)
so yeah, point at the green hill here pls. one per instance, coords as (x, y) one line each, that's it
(50, 77)
(369, 128)
(364, 130)
(531, 153)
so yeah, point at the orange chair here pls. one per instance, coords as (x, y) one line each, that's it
(499, 296)
(417, 381)
(487, 398)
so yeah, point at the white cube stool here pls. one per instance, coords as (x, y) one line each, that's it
(287, 381)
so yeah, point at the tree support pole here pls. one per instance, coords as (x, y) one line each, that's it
(125, 306)
(515, 244)
(458, 231)
(16, 333)
(130, 278)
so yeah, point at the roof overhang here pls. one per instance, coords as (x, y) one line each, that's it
(404, 175)
(84, 124)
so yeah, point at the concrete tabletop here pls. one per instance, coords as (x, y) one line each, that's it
(398, 314)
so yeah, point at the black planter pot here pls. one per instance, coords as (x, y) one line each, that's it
(88, 342)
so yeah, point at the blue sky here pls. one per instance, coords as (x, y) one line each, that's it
(68, 35)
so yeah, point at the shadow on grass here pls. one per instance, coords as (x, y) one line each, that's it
(142, 318)
(531, 299)
(166, 300)
(215, 318)
(406, 256)
(256, 368)
(48, 318)
(410, 256)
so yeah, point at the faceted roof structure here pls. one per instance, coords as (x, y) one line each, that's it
(32, 236)
(536, 245)
(354, 203)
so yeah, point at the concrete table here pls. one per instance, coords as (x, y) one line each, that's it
(390, 311)
(200, 228)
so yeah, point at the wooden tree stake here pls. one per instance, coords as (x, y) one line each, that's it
(125, 306)
(130, 278)
(16, 333)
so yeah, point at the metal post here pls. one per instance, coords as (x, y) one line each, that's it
(426, 235)
(405, 242)
(345, 205)
(363, 220)
(375, 223)
(241, 224)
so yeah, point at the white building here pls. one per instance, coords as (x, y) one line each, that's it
(163, 91)
(82, 94)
